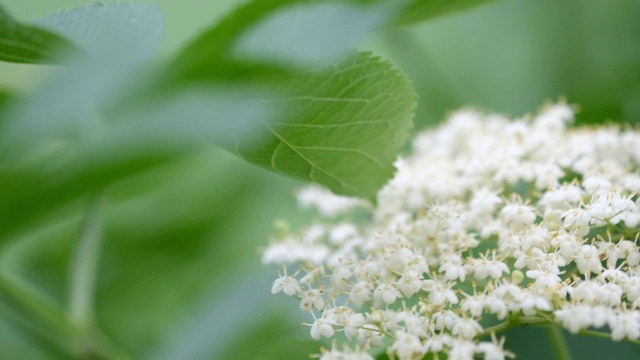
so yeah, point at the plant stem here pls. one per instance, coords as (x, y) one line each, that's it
(558, 343)
(50, 325)
(40, 316)
(504, 326)
(497, 328)
(84, 266)
(604, 335)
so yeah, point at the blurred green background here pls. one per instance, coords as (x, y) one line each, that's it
(180, 276)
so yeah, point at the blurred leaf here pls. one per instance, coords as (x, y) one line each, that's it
(343, 128)
(115, 31)
(5, 99)
(512, 56)
(116, 37)
(420, 10)
(273, 339)
(173, 235)
(58, 171)
(207, 56)
(308, 33)
(261, 36)
(53, 143)
(22, 43)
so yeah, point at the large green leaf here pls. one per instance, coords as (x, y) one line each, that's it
(420, 10)
(344, 126)
(345, 122)
(23, 43)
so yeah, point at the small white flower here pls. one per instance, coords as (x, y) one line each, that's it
(369, 336)
(574, 317)
(346, 354)
(407, 346)
(440, 293)
(518, 215)
(462, 350)
(466, 328)
(453, 271)
(626, 324)
(473, 305)
(360, 293)
(544, 279)
(577, 218)
(386, 294)
(588, 259)
(321, 327)
(435, 344)
(493, 350)
(312, 298)
(287, 284)
(326, 202)
(531, 304)
(410, 283)
(352, 325)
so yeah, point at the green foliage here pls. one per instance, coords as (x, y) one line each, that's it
(342, 126)
(420, 10)
(103, 120)
(277, 83)
(5, 98)
(29, 44)
(112, 32)
(261, 37)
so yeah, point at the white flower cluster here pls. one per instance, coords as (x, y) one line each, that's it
(490, 222)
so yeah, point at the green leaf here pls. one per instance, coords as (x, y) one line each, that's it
(5, 98)
(62, 166)
(420, 10)
(113, 31)
(22, 43)
(344, 126)
(262, 36)
(116, 37)
(206, 56)
(302, 34)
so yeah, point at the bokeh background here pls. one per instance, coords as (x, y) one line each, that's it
(180, 276)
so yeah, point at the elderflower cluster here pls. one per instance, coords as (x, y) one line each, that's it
(489, 222)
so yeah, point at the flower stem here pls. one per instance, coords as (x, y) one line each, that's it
(504, 326)
(49, 325)
(604, 335)
(84, 266)
(558, 343)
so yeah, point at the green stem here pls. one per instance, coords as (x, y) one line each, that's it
(558, 343)
(49, 324)
(497, 328)
(84, 267)
(521, 321)
(36, 313)
(604, 335)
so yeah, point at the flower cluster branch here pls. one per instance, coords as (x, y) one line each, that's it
(489, 222)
